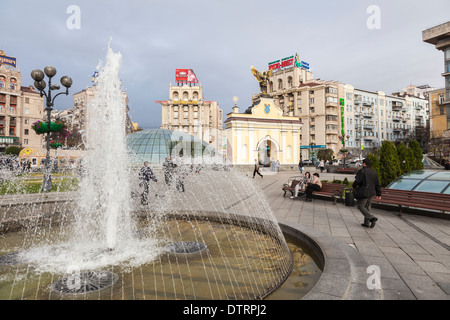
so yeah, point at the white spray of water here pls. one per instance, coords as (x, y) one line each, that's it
(104, 232)
(105, 190)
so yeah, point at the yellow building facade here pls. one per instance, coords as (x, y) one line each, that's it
(438, 115)
(262, 133)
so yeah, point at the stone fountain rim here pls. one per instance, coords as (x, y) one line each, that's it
(344, 269)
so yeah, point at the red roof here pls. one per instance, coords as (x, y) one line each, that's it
(28, 89)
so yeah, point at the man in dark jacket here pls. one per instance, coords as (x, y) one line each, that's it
(367, 177)
(145, 175)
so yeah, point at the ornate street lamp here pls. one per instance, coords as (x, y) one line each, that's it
(39, 83)
(344, 138)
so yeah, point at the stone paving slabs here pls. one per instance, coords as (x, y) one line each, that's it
(412, 251)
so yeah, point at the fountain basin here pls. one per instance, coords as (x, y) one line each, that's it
(225, 268)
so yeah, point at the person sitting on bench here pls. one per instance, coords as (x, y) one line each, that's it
(300, 187)
(314, 185)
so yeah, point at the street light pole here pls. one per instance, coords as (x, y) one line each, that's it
(343, 138)
(39, 83)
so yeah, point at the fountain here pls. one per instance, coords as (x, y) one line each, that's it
(217, 240)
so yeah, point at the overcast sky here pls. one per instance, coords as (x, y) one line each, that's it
(220, 40)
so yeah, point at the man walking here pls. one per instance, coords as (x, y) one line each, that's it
(256, 171)
(367, 177)
(145, 175)
(300, 166)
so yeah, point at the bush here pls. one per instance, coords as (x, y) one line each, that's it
(374, 163)
(418, 155)
(406, 158)
(13, 150)
(389, 163)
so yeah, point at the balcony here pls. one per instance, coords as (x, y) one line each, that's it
(330, 121)
(397, 117)
(332, 131)
(397, 105)
(331, 104)
(332, 111)
(368, 114)
(367, 103)
(397, 129)
(369, 137)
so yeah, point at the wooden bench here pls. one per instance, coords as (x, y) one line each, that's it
(414, 199)
(334, 190)
(290, 187)
(347, 170)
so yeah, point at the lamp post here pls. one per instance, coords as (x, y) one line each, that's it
(343, 138)
(39, 83)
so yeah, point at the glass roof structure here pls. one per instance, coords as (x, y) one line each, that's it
(156, 145)
(437, 181)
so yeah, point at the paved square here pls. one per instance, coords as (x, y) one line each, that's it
(412, 251)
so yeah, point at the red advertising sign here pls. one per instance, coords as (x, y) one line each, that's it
(284, 63)
(185, 75)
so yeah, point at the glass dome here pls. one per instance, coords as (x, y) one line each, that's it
(437, 181)
(156, 145)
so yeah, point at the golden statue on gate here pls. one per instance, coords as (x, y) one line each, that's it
(263, 78)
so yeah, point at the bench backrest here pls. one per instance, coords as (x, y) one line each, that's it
(327, 186)
(294, 183)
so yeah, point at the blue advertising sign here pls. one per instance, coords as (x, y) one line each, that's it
(305, 65)
(320, 146)
(8, 60)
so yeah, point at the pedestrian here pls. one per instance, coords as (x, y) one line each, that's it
(180, 175)
(256, 170)
(368, 178)
(145, 175)
(300, 187)
(314, 185)
(278, 165)
(321, 166)
(169, 168)
(447, 165)
(300, 166)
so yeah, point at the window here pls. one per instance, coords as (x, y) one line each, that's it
(27, 111)
(311, 100)
(13, 84)
(442, 111)
(331, 100)
(447, 53)
(330, 90)
(26, 131)
(280, 84)
(25, 141)
(290, 82)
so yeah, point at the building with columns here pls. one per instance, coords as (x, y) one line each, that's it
(187, 111)
(264, 133)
